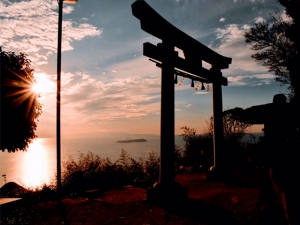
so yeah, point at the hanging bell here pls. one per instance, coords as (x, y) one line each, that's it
(197, 86)
(180, 82)
(175, 81)
(202, 87)
(207, 88)
(192, 84)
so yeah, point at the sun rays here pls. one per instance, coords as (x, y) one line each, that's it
(26, 89)
(42, 84)
(19, 103)
(21, 89)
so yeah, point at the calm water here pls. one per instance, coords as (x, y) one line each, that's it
(38, 164)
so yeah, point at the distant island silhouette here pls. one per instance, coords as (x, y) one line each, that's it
(131, 140)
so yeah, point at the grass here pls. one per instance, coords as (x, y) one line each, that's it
(126, 205)
(90, 171)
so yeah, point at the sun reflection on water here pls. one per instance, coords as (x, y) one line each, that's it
(35, 167)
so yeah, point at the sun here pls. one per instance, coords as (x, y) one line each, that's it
(42, 84)
(37, 88)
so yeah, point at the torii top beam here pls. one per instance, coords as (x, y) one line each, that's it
(156, 25)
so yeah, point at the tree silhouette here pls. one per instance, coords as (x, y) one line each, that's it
(198, 148)
(234, 129)
(277, 43)
(19, 105)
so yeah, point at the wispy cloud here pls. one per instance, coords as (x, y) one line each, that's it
(253, 80)
(233, 45)
(259, 19)
(97, 100)
(31, 27)
(201, 93)
(262, 1)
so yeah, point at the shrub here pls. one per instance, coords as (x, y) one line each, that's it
(91, 171)
(151, 166)
(198, 152)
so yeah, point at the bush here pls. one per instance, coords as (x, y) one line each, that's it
(92, 172)
(198, 152)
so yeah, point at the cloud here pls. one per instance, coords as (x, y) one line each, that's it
(100, 99)
(233, 45)
(201, 93)
(222, 19)
(259, 19)
(231, 33)
(31, 27)
(253, 80)
(105, 101)
(285, 17)
(262, 1)
(91, 101)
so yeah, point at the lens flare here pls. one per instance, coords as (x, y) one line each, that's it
(42, 84)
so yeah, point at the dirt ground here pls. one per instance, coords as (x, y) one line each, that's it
(209, 202)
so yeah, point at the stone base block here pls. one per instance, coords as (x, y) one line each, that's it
(166, 194)
(218, 174)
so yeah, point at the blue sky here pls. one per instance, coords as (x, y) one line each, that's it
(108, 85)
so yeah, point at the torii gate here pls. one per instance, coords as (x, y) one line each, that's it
(190, 67)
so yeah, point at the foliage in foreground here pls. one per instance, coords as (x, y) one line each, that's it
(20, 108)
(198, 148)
(91, 171)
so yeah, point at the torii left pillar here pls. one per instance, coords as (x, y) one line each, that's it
(167, 190)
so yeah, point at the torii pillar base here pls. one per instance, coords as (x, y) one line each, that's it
(219, 174)
(165, 195)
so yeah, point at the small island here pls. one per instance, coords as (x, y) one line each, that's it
(131, 140)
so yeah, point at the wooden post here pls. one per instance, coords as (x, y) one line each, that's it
(167, 191)
(58, 141)
(218, 118)
(166, 173)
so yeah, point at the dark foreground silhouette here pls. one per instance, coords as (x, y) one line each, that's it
(209, 202)
(197, 210)
(280, 196)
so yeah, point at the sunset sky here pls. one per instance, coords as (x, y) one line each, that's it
(108, 85)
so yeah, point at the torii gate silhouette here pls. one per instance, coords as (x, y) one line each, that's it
(191, 67)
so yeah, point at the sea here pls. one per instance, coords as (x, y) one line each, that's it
(37, 165)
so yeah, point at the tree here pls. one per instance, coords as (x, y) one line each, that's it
(234, 129)
(20, 107)
(198, 148)
(277, 43)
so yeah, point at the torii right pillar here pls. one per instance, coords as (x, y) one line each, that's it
(218, 118)
(219, 169)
